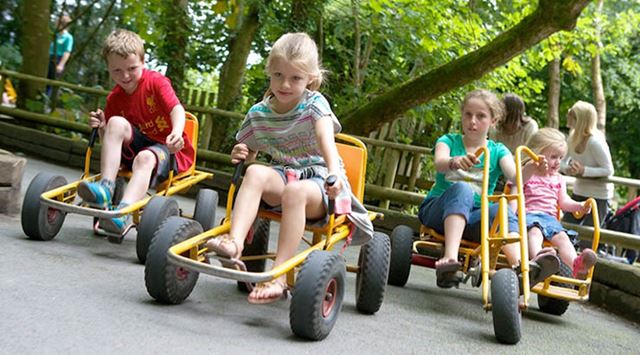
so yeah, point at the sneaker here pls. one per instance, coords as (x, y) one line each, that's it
(116, 225)
(95, 194)
(583, 263)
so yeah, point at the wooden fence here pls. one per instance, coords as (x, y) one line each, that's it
(403, 188)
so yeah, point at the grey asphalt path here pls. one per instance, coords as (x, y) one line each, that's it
(79, 294)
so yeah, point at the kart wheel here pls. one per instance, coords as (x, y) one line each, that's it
(371, 280)
(40, 222)
(317, 296)
(552, 305)
(154, 213)
(400, 264)
(168, 283)
(205, 210)
(259, 246)
(505, 308)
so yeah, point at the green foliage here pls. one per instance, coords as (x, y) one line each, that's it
(10, 57)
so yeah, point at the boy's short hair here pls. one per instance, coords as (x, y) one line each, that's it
(123, 43)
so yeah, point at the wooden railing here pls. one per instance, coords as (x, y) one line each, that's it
(406, 196)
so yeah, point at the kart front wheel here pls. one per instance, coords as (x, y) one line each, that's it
(154, 213)
(168, 283)
(373, 263)
(205, 210)
(317, 296)
(505, 306)
(40, 222)
(401, 247)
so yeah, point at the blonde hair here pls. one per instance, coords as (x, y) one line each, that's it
(586, 119)
(496, 106)
(301, 51)
(123, 43)
(547, 137)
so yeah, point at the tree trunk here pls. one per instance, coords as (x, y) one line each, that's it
(550, 16)
(596, 74)
(231, 75)
(553, 116)
(35, 47)
(176, 29)
(355, 4)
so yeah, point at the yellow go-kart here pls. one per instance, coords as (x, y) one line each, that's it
(484, 265)
(49, 198)
(315, 276)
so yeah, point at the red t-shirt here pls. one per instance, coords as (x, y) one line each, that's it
(149, 109)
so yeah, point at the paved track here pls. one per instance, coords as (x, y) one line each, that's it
(80, 294)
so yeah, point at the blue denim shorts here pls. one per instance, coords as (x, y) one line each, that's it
(548, 225)
(458, 199)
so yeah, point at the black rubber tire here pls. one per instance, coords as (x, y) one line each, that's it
(317, 296)
(165, 282)
(154, 213)
(556, 306)
(40, 222)
(205, 209)
(371, 280)
(507, 318)
(259, 246)
(400, 261)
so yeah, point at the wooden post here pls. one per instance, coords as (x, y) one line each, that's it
(389, 168)
(207, 124)
(416, 163)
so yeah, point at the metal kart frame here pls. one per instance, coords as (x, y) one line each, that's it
(179, 254)
(62, 198)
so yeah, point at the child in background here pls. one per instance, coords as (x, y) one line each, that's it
(294, 124)
(452, 206)
(141, 125)
(544, 192)
(516, 128)
(588, 158)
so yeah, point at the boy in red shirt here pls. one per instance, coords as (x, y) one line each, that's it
(142, 123)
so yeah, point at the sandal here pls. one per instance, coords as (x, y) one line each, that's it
(447, 275)
(221, 251)
(545, 264)
(265, 287)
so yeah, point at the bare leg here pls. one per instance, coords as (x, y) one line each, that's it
(300, 200)
(142, 168)
(565, 248)
(259, 182)
(453, 227)
(116, 132)
(535, 241)
(512, 251)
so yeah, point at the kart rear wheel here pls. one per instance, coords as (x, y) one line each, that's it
(505, 307)
(40, 222)
(552, 305)
(205, 209)
(154, 213)
(259, 245)
(371, 280)
(168, 283)
(400, 262)
(317, 296)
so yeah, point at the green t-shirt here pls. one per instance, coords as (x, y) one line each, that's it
(496, 152)
(64, 44)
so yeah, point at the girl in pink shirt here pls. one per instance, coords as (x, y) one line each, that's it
(544, 192)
